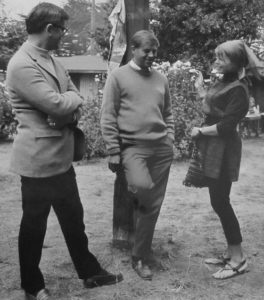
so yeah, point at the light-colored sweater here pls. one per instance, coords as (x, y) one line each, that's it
(136, 108)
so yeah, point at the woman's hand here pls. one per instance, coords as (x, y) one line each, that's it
(199, 85)
(196, 132)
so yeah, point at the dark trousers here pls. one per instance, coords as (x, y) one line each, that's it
(38, 195)
(219, 191)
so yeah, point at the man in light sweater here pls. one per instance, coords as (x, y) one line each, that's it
(138, 129)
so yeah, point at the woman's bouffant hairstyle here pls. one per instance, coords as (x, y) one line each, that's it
(143, 35)
(42, 14)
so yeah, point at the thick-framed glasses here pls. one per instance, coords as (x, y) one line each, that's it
(64, 29)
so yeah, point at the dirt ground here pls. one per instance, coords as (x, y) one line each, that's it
(187, 232)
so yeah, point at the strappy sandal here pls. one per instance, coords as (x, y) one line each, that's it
(229, 271)
(217, 261)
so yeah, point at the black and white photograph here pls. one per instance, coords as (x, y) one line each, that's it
(131, 149)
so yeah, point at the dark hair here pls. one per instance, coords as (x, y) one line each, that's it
(143, 35)
(42, 14)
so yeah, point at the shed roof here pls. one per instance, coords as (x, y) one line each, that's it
(83, 63)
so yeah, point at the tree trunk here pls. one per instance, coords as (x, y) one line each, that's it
(137, 18)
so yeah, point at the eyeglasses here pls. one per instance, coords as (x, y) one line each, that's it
(64, 29)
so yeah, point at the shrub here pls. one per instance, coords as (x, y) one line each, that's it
(7, 117)
(186, 106)
(90, 124)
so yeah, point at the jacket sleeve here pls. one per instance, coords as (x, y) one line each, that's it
(235, 111)
(26, 82)
(73, 117)
(109, 114)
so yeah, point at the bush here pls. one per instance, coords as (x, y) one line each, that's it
(8, 123)
(186, 106)
(90, 123)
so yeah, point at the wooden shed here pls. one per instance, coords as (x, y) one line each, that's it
(83, 69)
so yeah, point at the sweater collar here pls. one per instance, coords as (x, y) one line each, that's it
(37, 51)
(134, 65)
(137, 68)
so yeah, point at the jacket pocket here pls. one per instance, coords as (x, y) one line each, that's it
(45, 133)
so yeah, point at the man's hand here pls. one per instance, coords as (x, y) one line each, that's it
(71, 119)
(59, 123)
(114, 162)
(78, 113)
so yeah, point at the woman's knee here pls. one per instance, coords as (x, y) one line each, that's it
(220, 205)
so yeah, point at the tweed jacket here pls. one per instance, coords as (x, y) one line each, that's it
(231, 105)
(37, 90)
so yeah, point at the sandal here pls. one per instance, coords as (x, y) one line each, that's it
(229, 271)
(219, 261)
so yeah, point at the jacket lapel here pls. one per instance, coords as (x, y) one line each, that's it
(42, 62)
(60, 75)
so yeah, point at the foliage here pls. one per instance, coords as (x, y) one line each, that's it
(258, 47)
(75, 41)
(189, 29)
(90, 123)
(7, 118)
(102, 32)
(12, 35)
(83, 36)
(186, 106)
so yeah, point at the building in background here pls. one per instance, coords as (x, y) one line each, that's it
(83, 70)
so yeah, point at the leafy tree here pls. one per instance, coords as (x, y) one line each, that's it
(81, 36)
(103, 30)
(191, 29)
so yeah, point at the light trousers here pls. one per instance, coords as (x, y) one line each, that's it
(146, 168)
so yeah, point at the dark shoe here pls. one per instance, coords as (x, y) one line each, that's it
(41, 295)
(142, 269)
(102, 278)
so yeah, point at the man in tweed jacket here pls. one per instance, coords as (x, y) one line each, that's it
(47, 106)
